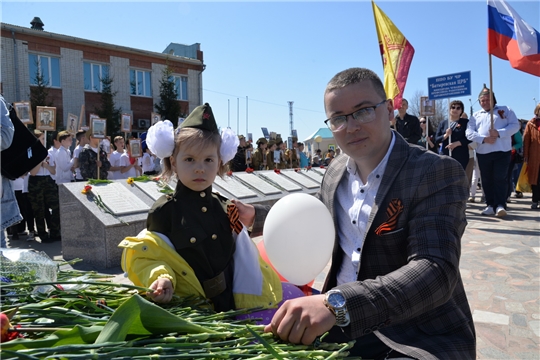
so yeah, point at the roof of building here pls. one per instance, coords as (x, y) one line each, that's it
(324, 132)
(73, 39)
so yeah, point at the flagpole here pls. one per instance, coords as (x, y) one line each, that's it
(449, 136)
(491, 93)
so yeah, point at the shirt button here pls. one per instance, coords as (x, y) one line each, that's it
(192, 240)
(358, 249)
(203, 194)
(204, 209)
(362, 191)
(354, 222)
(378, 176)
(214, 237)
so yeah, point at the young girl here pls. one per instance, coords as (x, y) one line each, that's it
(194, 243)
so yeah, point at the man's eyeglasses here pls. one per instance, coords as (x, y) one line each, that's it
(422, 122)
(363, 116)
(456, 107)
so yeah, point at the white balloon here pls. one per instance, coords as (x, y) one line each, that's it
(298, 236)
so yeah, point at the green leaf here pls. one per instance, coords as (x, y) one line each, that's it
(138, 316)
(265, 343)
(76, 335)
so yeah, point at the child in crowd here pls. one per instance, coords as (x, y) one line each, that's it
(147, 160)
(194, 243)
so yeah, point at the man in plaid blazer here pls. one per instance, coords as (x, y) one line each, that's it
(399, 213)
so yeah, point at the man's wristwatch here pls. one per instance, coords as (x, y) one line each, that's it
(336, 303)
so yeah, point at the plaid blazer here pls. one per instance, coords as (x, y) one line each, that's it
(409, 290)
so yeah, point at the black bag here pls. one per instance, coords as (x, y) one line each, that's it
(25, 152)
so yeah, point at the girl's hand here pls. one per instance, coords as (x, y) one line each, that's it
(163, 290)
(246, 212)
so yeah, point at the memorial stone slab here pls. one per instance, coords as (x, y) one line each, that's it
(259, 184)
(151, 188)
(302, 179)
(281, 181)
(119, 200)
(316, 176)
(92, 234)
(233, 186)
(321, 171)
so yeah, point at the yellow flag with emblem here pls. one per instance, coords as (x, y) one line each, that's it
(396, 53)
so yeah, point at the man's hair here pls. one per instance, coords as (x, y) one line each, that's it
(62, 135)
(354, 76)
(404, 101)
(55, 135)
(80, 134)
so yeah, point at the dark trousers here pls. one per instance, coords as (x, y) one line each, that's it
(43, 195)
(20, 227)
(511, 185)
(536, 190)
(494, 175)
(368, 346)
(29, 215)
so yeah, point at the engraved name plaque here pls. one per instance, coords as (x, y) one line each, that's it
(235, 187)
(281, 181)
(119, 199)
(256, 182)
(300, 178)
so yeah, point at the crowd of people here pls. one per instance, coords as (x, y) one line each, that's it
(36, 192)
(273, 154)
(491, 154)
(394, 284)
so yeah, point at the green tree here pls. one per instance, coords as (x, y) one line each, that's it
(108, 110)
(168, 106)
(39, 96)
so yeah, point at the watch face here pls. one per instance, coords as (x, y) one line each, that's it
(336, 300)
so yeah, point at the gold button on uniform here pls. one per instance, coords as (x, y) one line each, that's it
(214, 237)
(203, 194)
(204, 209)
(192, 240)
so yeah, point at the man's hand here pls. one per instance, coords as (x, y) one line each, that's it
(301, 320)
(490, 140)
(493, 133)
(98, 163)
(246, 212)
(163, 290)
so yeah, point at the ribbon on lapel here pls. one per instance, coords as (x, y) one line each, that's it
(394, 209)
(234, 218)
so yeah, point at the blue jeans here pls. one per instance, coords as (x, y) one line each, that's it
(494, 174)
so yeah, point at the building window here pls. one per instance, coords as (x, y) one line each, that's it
(140, 83)
(180, 85)
(46, 66)
(93, 73)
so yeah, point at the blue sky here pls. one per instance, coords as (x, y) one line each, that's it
(275, 52)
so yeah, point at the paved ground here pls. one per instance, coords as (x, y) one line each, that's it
(500, 268)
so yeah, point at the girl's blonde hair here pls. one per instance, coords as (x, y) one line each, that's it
(193, 137)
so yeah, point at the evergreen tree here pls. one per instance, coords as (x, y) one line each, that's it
(168, 106)
(39, 96)
(108, 110)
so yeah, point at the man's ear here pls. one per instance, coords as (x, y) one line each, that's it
(390, 107)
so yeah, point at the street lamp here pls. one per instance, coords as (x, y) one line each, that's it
(472, 103)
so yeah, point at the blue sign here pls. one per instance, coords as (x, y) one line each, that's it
(451, 85)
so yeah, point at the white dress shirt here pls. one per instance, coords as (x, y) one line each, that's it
(353, 207)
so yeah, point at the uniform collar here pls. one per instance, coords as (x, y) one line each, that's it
(186, 194)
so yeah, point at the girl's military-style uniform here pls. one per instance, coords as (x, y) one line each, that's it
(201, 230)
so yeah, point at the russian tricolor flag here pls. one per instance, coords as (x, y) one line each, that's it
(511, 38)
